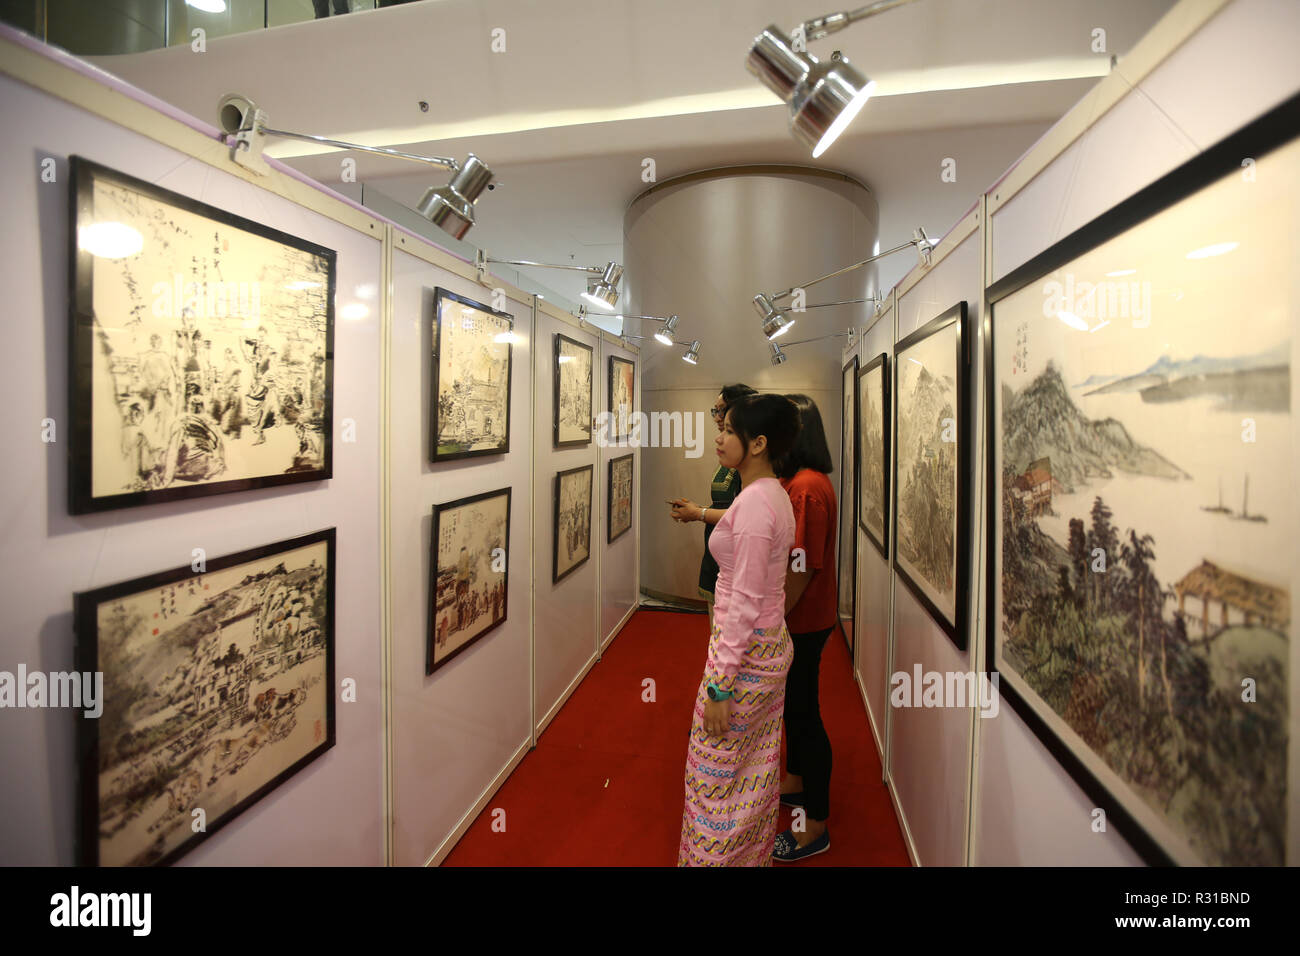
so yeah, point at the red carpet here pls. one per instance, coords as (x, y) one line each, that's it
(605, 785)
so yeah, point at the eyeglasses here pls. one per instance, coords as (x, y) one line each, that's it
(718, 413)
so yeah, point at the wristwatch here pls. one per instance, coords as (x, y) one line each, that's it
(715, 694)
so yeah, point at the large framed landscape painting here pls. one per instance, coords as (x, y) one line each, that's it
(472, 355)
(873, 440)
(469, 576)
(217, 687)
(932, 529)
(571, 528)
(201, 348)
(1142, 502)
(571, 393)
(848, 550)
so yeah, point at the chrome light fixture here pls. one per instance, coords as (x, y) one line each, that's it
(603, 291)
(692, 354)
(823, 97)
(450, 207)
(778, 357)
(665, 335)
(774, 322)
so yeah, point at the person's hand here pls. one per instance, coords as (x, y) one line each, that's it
(717, 717)
(686, 510)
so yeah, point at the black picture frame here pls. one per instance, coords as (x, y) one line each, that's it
(556, 575)
(881, 362)
(432, 661)
(441, 332)
(956, 320)
(611, 534)
(556, 396)
(614, 362)
(1276, 128)
(849, 462)
(177, 433)
(88, 643)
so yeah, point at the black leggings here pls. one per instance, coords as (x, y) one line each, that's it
(808, 749)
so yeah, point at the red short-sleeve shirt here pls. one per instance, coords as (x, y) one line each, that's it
(812, 497)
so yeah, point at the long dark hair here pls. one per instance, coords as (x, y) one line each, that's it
(809, 449)
(773, 416)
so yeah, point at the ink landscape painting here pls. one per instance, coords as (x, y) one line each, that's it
(1145, 538)
(927, 466)
(216, 689)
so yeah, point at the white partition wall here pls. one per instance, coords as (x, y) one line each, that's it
(1028, 810)
(566, 621)
(619, 592)
(456, 733)
(331, 811)
(929, 749)
(872, 622)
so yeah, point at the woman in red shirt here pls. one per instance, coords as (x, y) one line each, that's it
(811, 613)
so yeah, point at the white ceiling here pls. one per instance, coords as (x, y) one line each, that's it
(587, 89)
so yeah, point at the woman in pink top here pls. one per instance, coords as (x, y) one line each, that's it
(733, 760)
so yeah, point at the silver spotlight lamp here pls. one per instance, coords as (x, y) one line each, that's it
(601, 288)
(450, 207)
(665, 334)
(823, 97)
(774, 321)
(778, 357)
(692, 354)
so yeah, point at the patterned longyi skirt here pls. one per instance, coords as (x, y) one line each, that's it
(733, 782)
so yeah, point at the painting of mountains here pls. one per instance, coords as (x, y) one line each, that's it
(1142, 526)
(930, 457)
(216, 689)
(873, 431)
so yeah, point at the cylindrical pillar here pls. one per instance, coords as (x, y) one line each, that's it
(701, 246)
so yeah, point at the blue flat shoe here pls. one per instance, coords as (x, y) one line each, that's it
(792, 799)
(788, 850)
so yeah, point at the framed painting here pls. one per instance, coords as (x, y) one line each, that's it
(201, 348)
(622, 394)
(932, 527)
(217, 687)
(572, 392)
(468, 573)
(472, 352)
(571, 529)
(848, 551)
(620, 496)
(1141, 502)
(873, 432)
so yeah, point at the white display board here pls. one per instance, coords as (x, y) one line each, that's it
(331, 811)
(454, 731)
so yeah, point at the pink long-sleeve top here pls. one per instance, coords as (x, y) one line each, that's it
(752, 546)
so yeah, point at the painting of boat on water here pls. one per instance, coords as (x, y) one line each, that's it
(1143, 520)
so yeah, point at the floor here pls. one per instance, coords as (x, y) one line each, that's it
(604, 786)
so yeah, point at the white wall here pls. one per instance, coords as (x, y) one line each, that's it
(451, 736)
(566, 622)
(1028, 809)
(331, 811)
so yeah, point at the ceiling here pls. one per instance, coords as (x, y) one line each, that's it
(577, 94)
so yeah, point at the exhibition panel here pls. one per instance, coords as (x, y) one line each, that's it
(620, 469)
(930, 729)
(873, 625)
(1075, 188)
(221, 743)
(566, 509)
(450, 383)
